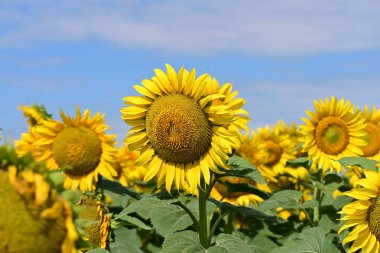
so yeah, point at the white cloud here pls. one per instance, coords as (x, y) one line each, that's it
(245, 26)
(269, 102)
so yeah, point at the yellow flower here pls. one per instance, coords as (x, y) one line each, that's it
(178, 130)
(32, 217)
(93, 211)
(78, 145)
(129, 172)
(35, 116)
(372, 130)
(363, 215)
(333, 131)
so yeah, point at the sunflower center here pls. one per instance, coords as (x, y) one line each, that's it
(373, 139)
(274, 152)
(77, 148)
(373, 217)
(331, 135)
(178, 129)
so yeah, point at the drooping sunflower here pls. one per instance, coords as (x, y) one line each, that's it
(363, 215)
(78, 145)
(333, 131)
(97, 233)
(33, 218)
(35, 115)
(178, 130)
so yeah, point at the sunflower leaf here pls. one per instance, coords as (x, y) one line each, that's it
(135, 221)
(243, 168)
(310, 240)
(300, 161)
(362, 162)
(98, 250)
(226, 243)
(125, 240)
(246, 211)
(145, 204)
(169, 219)
(184, 241)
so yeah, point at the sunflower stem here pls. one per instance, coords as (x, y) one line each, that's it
(317, 197)
(203, 224)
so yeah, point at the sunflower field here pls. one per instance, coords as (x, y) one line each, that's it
(191, 176)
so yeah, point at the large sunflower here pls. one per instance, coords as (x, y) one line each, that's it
(33, 218)
(363, 215)
(180, 133)
(78, 145)
(333, 131)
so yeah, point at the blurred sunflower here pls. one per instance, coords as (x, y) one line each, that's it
(33, 218)
(179, 132)
(78, 145)
(363, 215)
(93, 211)
(129, 173)
(333, 131)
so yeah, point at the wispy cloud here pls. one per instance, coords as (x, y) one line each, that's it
(245, 26)
(269, 102)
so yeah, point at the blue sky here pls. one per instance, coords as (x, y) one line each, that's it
(280, 55)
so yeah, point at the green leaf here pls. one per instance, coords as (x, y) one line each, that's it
(363, 162)
(311, 240)
(98, 250)
(287, 198)
(308, 204)
(243, 168)
(169, 219)
(226, 243)
(300, 161)
(259, 244)
(246, 211)
(135, 221)
(332, 178)
(125, 240)
(341, 201)
(184, 241)
(146, 204)
(327, 224)
(117, 188)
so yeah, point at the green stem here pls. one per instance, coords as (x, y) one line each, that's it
(187, 210)
(317, 197)
(230, 223)
(203, 224)
(215, 226)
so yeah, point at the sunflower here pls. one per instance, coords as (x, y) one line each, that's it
(32, 217)
(35, 115)
(92, 210)
(372, 130)
(333, 131)
(129, 173)
(363, 215)
(78, 145)
(178, 130)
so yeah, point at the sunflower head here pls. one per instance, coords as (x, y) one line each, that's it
(363, 215)
(181, 130)
(78, 145)
(34, 218)
(35, 114)
(333, 131)
(97, 232)
(372, 130)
